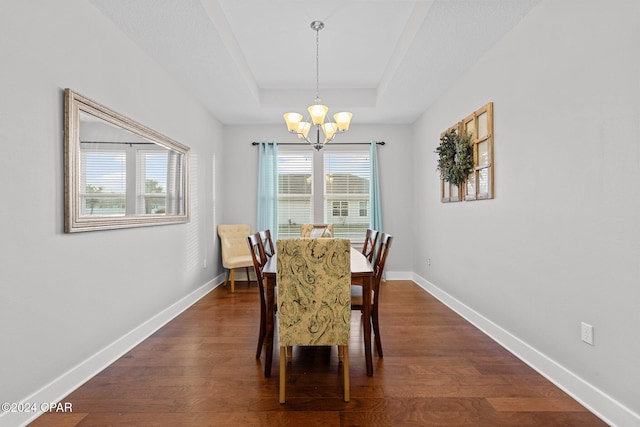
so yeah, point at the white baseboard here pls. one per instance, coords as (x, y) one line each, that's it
(57, 389)
(604, 406)
(398, 275)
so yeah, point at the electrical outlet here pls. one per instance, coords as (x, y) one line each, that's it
(429, 262)
(586, 333)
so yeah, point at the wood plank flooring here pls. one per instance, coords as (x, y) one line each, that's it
(438, 370)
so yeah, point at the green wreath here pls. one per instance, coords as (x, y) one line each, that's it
(456, 157)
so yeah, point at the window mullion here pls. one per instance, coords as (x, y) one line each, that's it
(319, 216)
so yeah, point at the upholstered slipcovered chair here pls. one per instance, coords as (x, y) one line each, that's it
(235, 250)
(316, 230)
(314, 299)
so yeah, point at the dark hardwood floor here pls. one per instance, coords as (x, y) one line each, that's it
(438, 370)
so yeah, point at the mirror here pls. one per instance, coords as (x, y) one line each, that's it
(119, 173)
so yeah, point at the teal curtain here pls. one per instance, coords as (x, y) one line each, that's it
(374, 189)
(268, 188)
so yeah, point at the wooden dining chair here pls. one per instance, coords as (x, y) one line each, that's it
(356, 289)
(313, 277)
(316, 230)
(369, 246)
(259, 259)
(235, 253)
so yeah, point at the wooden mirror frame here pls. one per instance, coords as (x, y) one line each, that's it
(74, 219)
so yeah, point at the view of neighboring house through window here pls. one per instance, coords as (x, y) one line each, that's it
(295, 191)
(346, 178)
(340, 209)
(364, 208)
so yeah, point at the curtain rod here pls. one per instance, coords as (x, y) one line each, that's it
(118, 142)
(339, 143)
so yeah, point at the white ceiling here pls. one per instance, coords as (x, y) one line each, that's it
(250, 61)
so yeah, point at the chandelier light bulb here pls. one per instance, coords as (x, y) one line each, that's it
(329, 130)
(343, 119)
(292, 120)
(303, 130)
(318, 112)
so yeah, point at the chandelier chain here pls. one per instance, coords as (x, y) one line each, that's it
(317, 64)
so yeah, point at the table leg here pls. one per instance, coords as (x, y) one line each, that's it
(270, 284)
(366, 313)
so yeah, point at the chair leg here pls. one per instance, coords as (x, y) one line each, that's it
(248, 277)
(263, 329)
(376, 328)
(226, 278)
(345, 370)
(283, 374)
(233, 279)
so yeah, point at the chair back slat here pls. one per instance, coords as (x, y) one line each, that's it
(267, 243)
(381, 259)
(369, 246)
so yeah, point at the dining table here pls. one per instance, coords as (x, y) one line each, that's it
(361, 274)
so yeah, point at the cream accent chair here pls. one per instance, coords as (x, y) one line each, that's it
(235, 250)
(316, 230)
(314, 298)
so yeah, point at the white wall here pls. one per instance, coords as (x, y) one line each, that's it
(559, 243)
(65, 297)
(240, 177)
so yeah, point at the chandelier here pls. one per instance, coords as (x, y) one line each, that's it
(317, 113)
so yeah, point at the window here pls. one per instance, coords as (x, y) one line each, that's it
(104, 182)
(295, 191)
(347, 178)
(364, 208)
(344, 200)
(107, 188)
(340, 209)
(152, 182)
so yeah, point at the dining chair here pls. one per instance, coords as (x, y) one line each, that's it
(356, 290)
(369, 246)
(235, 252)
(267, 242)
(313, 277)
(259, 258)
(316, 230)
